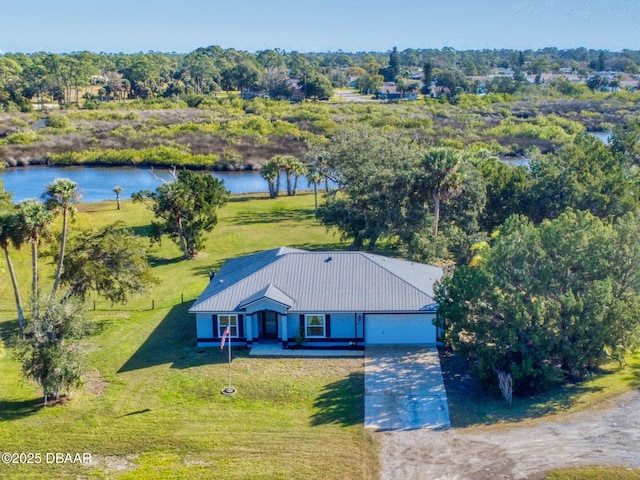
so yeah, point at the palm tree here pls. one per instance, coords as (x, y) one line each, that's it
(293, 168)
(314, 176)
(442, 167)
(11, 233)
(61, 194)
(317, 157)
(34, 220)
(271, 173)
(117, 191)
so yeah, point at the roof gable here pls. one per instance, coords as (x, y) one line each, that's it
(270, 292)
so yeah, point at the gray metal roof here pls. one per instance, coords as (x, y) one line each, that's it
(271, 292)
(321, 282)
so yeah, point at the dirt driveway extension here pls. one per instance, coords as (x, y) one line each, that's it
(609, 436)
(403, 389)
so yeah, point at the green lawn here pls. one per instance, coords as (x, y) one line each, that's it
(595, 473)
(151, 405)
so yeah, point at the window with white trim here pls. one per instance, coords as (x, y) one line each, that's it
(228, 320)
(315, 326)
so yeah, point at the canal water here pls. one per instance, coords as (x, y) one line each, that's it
(97, 183)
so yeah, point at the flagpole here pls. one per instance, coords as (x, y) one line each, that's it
(227, 336)
(229, 358)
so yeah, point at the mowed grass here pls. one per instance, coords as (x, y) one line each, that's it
(595, 473)
(151, 406)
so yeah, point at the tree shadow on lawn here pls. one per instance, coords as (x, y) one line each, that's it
(324, 247)
(341, 403)
(15, 409)
(470, 404)
(172, 341)
(161, 261)
(277, 216)
(633, 376)
(143, 230)
(9, 331)
(199, 269)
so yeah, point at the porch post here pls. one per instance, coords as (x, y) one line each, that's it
(282, 328)
(248, 327)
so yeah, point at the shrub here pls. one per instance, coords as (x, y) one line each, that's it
(58, 122)
(24, 137)
(155, 156)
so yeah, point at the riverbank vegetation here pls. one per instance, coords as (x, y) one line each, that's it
(245, 134)
(224, 109)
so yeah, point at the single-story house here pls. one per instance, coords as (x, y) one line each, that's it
(389, 91)
(303, 299)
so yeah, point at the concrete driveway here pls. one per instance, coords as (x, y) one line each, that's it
(403, 389)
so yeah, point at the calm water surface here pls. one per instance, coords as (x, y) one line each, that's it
(97, 183)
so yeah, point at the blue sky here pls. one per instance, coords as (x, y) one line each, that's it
(310, 25)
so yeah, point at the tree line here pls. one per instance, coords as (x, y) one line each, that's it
(66, 78)
(543, 263)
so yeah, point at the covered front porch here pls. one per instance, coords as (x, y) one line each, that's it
(274, 349)
(266, 317)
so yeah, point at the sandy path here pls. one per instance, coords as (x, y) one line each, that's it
(608, 436)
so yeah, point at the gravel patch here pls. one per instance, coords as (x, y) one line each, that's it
(608, 436)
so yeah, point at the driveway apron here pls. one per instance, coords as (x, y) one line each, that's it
(404, 389)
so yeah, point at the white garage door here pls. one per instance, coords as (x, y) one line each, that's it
(416, 329)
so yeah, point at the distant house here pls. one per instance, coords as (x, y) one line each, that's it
(335, 299)
(389, 91)
(297, 93)
(545, 78)
(614, 81)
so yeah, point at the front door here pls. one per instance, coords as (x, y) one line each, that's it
(269, 324)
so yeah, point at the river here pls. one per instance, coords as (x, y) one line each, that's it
(604, 136)
(96, 183)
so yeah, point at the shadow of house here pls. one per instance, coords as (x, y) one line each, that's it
(341, 403)
(172, 342)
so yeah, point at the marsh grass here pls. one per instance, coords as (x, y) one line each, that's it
(261, 128)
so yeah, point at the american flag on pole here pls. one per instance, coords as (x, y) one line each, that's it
(226, 334)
